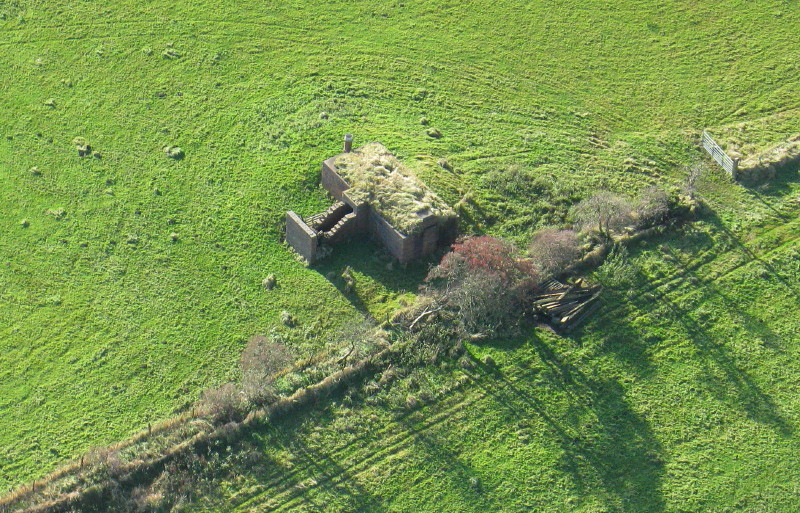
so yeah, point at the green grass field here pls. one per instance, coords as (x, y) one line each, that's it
(677, 397)
(106, 323)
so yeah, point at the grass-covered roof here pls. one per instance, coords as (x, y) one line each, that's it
(378, 178)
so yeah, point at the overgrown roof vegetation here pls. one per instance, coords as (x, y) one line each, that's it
(378, 178)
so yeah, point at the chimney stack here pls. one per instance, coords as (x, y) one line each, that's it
(348, 143)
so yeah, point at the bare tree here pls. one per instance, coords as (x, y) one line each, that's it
(483, 303)
(553, 250)
(356, 338)
(693, 174)
(261, 359)
(652, 206)
(482, 283)
(605, 211)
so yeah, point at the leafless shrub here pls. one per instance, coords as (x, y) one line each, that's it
(144, 499)
(605, 211)
(223, 404)
(652, 206)
(553, 250)
(261, 359)
(357, 338)
(106, 459)
(179, 483)
(483, 302)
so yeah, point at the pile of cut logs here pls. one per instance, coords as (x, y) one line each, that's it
(566, 306)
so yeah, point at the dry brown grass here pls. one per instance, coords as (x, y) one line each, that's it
(765, 165)
(377, 177)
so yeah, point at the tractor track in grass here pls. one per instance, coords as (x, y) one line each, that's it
(302, 479)
(390, 446)
(382, 450)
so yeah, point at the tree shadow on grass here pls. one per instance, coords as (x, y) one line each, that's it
(754, 325)
(333, 479)
(436, 450)
(314, 476)
(628, 343)
(777, 186)
(714, 355)
(748, 396)
(731, 237)
(617, 449)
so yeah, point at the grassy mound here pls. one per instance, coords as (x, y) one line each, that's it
(765, 165)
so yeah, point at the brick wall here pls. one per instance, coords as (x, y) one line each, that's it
(400, 246)
(325, 221)
(331, 180)
(345, 229)
(300, 237)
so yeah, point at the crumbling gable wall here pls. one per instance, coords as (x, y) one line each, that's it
(301, 237)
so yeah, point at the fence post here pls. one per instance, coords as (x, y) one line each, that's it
(735, 170)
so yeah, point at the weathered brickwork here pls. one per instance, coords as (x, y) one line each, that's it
(331, 180)
(347, 219)
(301, 237)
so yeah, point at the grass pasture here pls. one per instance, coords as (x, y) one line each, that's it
(106, 322)
(676, 398)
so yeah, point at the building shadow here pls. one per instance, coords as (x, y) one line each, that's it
(366, 257)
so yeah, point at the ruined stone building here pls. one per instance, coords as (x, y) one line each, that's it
(375, 196)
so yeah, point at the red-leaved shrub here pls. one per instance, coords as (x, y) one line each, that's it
(482, 254)
(483, 283)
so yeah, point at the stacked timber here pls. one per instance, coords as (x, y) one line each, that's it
(566, 305)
